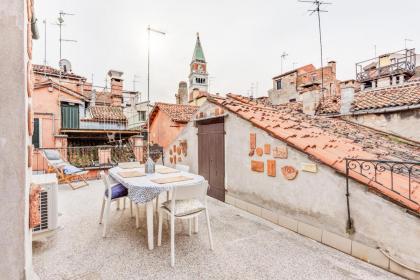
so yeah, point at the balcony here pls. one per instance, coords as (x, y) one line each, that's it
(245, 247)
(400, 62)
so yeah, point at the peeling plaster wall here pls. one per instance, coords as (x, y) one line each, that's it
(15, 241)
(401, 123)
(314, 198)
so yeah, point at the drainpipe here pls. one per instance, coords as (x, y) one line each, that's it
(350, 226)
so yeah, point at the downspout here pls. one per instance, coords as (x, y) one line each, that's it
(350, 227)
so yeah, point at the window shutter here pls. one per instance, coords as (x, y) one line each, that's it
(35, 136)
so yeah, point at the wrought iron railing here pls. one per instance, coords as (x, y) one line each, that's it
(399, 177)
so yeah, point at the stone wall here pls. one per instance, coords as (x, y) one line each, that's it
(402, 123)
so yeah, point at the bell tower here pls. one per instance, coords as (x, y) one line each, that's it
(198, 70)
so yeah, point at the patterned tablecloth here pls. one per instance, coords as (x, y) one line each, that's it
(142, 189)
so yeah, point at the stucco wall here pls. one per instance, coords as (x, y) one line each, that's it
(15, 241)
(402, 123)
(314, 198)
(163, 130)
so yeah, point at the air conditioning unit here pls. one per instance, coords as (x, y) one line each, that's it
(47, 203)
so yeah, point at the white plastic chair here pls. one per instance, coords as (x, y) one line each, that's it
(182, 167)
(187, 202)
(108, 199)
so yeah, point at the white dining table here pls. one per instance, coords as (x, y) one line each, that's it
(143, 190)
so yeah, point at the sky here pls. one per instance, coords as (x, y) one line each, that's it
(243, 40)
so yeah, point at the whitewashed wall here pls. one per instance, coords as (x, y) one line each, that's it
(314, 198)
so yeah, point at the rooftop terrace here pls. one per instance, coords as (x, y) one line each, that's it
(246, 247)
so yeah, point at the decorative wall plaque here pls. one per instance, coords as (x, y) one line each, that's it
(271, 167)
(267, 149)
(289, 172)
(309, 167)
(252, 141)
(280, 152)
(259, 151)
(257, 165)
(183, 144)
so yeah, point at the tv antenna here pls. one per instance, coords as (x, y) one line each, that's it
(60, 24)
(317, 9)
(282, 58)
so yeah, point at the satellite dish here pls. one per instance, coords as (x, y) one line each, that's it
(65, 65)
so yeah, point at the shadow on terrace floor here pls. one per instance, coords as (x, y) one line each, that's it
(246, 247)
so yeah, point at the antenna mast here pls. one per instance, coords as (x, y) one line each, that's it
(317, 9)
(60, 23)
(283, 57)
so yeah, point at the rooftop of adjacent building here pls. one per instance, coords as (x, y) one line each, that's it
(329, 140)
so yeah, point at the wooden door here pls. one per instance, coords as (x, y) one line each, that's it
(211, 156)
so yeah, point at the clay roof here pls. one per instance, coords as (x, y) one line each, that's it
(41, 69)
(406, 94)
(177, 112)
(106, 113)
(330, 141)
(392, 97)
(330, 105)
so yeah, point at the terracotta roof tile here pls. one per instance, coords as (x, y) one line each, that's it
(329, 140)
(406, 94)
(106, 113)
(41, 69)
(177, 112)
(394, 96)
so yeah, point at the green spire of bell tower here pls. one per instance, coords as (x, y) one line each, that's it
(198, 51)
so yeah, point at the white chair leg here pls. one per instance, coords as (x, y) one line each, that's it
(137, 216)
(124, 202)
(106, 222)
(102, 211)
(189, 227)
(159, 242)
(131, 208)
(157, 204)
(196, 224)
(149, 222)
(209, 229)
(172, 240)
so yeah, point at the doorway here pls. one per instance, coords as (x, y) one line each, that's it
(211, 155)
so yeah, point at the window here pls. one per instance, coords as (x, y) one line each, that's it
(69, 116)
(200, 80)
(142, 116)
(36, 136)
(278, 84)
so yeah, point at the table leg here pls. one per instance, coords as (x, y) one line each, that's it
(149, 217)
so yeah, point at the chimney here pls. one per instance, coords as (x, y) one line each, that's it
(333, 65)
(347, 97)
(182, 96)
(310, 101)
(116, 87)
